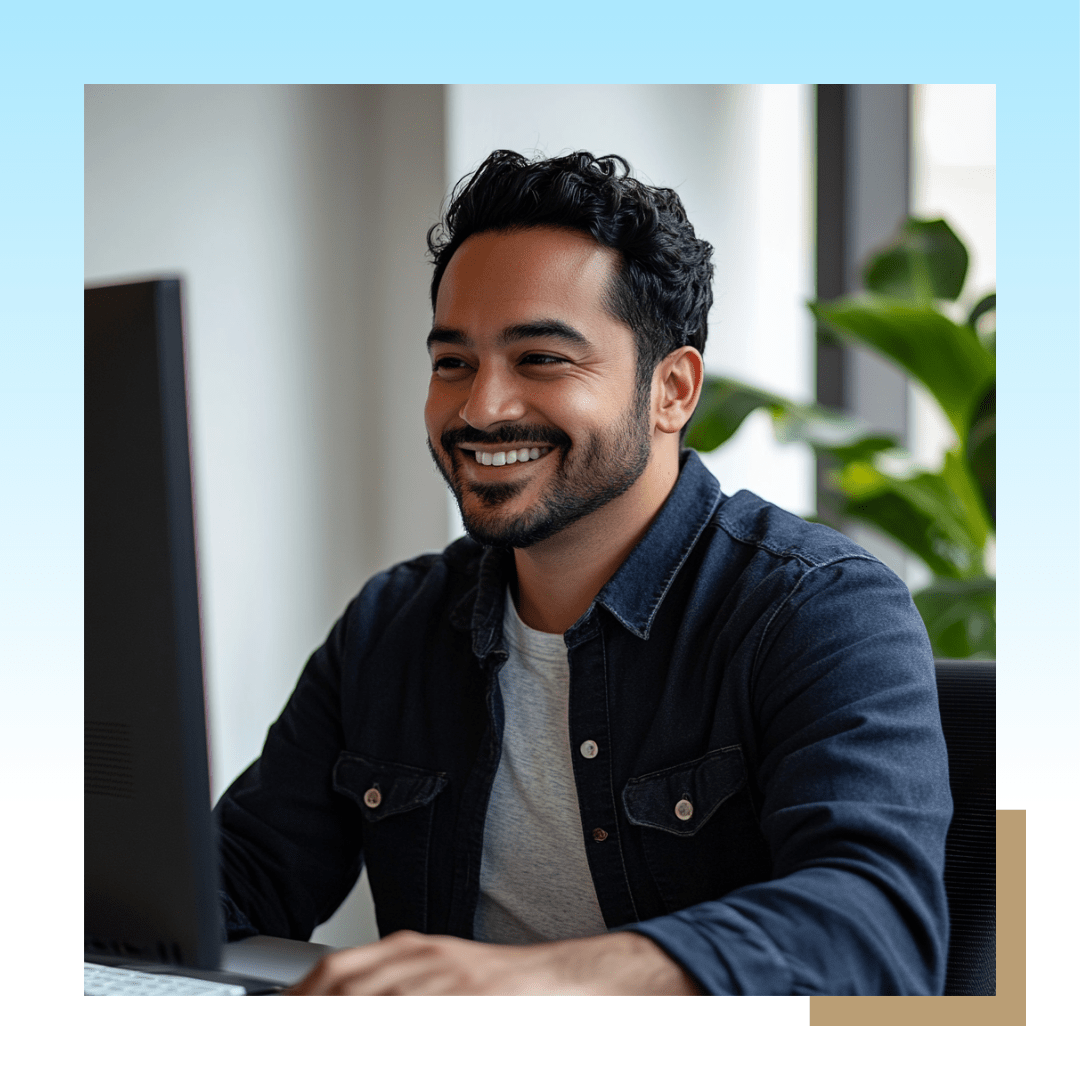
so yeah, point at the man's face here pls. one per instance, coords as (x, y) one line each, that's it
(527, 363)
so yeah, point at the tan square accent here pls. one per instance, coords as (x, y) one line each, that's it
(1008, 1008)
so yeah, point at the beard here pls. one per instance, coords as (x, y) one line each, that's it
(587, 477)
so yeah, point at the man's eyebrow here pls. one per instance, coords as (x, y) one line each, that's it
(543, 328)
(444, 335)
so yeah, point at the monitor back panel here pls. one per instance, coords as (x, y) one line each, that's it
(149, 855)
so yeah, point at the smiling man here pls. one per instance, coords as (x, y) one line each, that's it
(631, 735)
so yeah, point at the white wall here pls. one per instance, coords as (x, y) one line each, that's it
(739, 156)
(296, 216)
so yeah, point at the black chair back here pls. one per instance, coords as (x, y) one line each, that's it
(967, 698)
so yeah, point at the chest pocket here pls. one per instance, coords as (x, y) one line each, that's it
(397, 806)
(698, 828)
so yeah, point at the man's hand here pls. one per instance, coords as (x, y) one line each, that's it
(411, 963)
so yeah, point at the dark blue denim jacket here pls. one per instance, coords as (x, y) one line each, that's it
(762, 669)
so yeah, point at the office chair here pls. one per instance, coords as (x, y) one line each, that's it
(967, 698)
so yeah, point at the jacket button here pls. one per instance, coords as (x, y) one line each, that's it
(589, 749)
(683, 810)
(598, 835)
(372, 797)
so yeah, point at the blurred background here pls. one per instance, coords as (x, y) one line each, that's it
(296, 217)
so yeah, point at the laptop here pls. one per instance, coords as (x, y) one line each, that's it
(153, 922)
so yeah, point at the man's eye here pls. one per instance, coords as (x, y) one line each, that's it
(448, 365)
(543, 359)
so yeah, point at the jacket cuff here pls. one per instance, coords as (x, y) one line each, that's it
(721, 950)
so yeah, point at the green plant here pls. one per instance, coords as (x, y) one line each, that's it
(945, 518)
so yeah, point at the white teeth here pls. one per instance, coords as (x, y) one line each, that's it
(508, 457)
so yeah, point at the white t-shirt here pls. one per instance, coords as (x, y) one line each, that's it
(535, 883)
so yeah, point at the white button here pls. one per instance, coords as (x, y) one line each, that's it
(683, 810)
(589, 749)
(372, 797)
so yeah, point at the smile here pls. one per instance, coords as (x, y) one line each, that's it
(509, 457)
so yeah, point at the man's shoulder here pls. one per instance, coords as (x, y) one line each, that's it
(767, 560)
(448, 572)
(750, 520)
(414, 596)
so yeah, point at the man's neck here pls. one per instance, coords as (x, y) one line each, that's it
(559, 578)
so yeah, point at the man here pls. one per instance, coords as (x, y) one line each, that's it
(632, 735)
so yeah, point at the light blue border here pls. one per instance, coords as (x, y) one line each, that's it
(1029, 51)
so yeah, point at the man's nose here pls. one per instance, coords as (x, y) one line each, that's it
(494, 398)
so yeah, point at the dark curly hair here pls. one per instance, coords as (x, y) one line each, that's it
(663, 288)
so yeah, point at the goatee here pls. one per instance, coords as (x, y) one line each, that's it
(588, 476)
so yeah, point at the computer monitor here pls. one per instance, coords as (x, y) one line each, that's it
(150, 857)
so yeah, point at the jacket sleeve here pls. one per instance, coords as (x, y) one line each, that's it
(850, 761)
(288, 855)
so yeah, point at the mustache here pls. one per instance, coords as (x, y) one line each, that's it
(508, 433)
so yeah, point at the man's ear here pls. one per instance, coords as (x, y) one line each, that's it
(676, 388)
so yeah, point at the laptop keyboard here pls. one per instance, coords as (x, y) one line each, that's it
(100, 980)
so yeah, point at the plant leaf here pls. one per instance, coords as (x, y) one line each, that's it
(723, 406)
(863, 450)
(986, 334)
(981, 451)
(825, 429)
(937, 516)
(726, 403)
(924, 260)
(965, 498)
(947, 358)
(987, 303)
(960, 617)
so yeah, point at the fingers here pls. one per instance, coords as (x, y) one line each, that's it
(354, 967)
(401, 974)
(411, 963)
(409, 975)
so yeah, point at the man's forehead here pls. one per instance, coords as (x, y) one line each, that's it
(530, 274)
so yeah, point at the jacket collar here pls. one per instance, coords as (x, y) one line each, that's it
(634, 593)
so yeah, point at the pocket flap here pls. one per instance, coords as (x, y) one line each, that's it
(382, 788)
(682, 798)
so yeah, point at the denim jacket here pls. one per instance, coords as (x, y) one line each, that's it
(770, 798)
